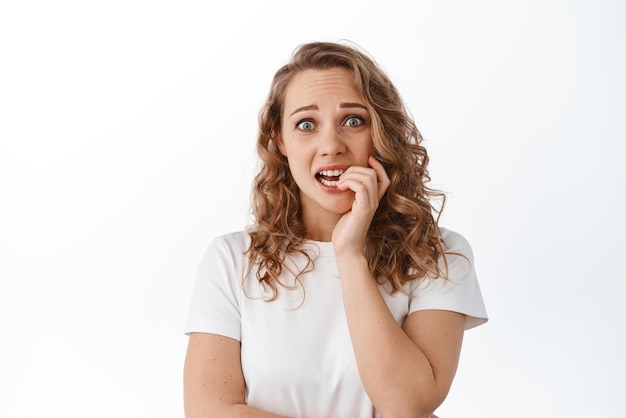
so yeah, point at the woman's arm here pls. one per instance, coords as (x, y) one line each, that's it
(406, 371)
(213, 380)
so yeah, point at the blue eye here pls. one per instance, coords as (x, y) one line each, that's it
(354, 121)
(305, 125)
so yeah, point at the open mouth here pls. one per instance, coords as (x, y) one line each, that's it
(329, 178)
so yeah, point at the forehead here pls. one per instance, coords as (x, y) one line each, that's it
(315, 86)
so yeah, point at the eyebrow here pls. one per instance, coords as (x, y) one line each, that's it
(303, 108)
(349, 105)
(345, 105)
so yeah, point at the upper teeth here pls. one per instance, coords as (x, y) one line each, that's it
(332, 173)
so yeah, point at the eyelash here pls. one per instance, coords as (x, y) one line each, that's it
(359, 118)
(298, 125)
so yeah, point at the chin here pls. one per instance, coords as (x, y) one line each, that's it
(341, 207)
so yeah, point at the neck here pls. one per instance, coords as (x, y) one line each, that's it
(320, 226)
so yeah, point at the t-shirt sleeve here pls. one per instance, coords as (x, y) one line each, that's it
(460, 292)
(215, 299)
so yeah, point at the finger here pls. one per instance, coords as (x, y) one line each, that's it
(364, 186)
(365, 175)
(358, 182)
(381, 175)
(371, 178)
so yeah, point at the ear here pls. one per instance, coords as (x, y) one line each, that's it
(280, 144)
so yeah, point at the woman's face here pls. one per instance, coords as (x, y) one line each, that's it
(325, 130)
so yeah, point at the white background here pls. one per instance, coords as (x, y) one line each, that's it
(127, 133)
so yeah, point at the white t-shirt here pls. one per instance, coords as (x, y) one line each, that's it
(296, 352)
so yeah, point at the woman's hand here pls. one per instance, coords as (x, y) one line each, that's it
(369, 184)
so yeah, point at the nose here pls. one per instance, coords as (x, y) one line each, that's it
(332, 143)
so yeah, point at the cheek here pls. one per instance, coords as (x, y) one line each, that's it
(367, 146)
(293, 162)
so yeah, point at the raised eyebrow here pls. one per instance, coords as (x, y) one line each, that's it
(344, 105)
(350, 105)
(303, 108)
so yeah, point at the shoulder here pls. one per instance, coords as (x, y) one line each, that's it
(459, 290)
(458, 260)
(232, 242)
(237, 241)
(455, 242)
(228, 248)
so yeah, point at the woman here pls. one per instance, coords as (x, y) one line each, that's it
(345, 298)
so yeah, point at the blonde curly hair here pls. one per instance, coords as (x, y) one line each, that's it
(404, 241)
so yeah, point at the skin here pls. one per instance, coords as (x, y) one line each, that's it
(326, 125)
(407, 371)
